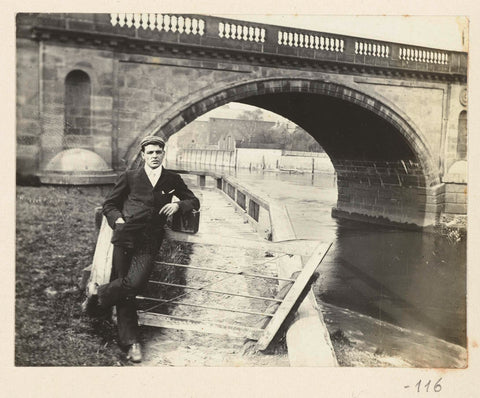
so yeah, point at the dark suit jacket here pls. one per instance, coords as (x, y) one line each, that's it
(135, 200)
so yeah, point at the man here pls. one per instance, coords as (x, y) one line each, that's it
(136, 210)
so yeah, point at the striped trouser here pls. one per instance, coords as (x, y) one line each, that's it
(131, 270)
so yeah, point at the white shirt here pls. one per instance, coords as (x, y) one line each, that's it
(153, 174)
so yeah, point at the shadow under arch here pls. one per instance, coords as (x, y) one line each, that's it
(182, 113)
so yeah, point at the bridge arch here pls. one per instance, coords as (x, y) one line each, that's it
(182, 113)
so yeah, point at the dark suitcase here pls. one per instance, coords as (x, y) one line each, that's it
(186, 222)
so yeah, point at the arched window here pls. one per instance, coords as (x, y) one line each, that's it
(462, 136)
(77, 103)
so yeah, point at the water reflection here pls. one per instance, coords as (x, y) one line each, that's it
(412, 279)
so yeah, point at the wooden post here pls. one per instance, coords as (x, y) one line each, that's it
(201, 181)
(308, 340)
(102, 259)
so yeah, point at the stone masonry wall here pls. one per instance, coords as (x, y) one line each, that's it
(132, 94)
(58, 61)
(390, 191)
(149, 86)
(27, 113)
(457, 104)
(423, 103)
(455, 199)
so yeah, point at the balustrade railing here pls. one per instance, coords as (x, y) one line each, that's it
(419, 55)
(160, 22)
(372, 49)
(304, 40)
(241, 32)
(229, 34)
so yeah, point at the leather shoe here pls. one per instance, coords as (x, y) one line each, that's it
(135, 353)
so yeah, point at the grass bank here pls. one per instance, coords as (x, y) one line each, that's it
(55, 240)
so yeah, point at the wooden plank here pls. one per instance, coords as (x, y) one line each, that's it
(299, 246)
(173, 322)
(102, 259)
(282, 229)
(293, 296)
(307, 337)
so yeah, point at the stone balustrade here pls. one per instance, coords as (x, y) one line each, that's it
(241, 32)
(210, 35)
(419, 55)
(159, 22)
(305, 40)
(372, 49)
(347, 49)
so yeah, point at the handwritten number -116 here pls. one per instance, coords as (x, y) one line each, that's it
(437, 387)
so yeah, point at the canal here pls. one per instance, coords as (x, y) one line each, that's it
(412, 279)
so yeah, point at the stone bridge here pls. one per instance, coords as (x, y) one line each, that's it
(392, 117)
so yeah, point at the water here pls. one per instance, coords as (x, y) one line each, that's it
(412, 279)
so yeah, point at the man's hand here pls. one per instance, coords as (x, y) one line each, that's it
(119, 220)
(169, 209)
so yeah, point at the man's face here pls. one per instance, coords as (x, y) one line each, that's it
(153, 155)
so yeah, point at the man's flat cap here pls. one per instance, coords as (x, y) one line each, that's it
(152, 140)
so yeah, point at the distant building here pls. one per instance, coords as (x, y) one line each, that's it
(227, 132)
(220, 133)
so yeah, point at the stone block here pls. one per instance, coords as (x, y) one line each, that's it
(50, 73)
(105, 91)
(29, 112)
(409, 180)
(102, 123)
(102, 114)
(432, 199)
(26, 164)
(431, 208)
(102, 133)
(390, 180)
(101, 103)
(27, 140)
(82, 122)
(451, 208)
(27, 127)
(27, 151)
(456, 188)
(127, 126)
(461, 198)
(81, 25)
(450, 197)
(51, 20)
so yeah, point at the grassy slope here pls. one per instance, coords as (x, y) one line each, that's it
(55, 240)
